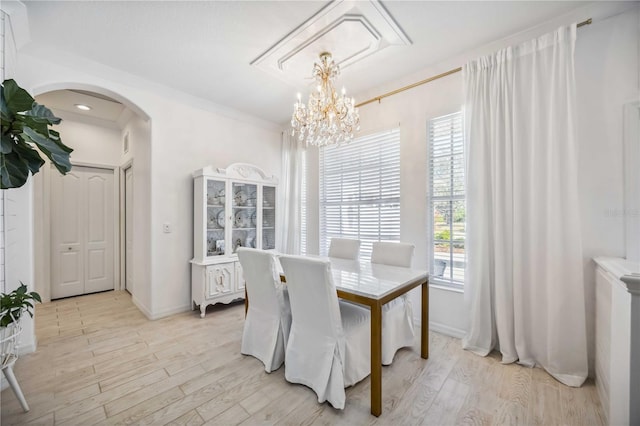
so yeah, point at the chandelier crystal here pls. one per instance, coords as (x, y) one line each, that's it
(326, 118)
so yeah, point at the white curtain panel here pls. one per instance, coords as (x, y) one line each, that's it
(524, 268)
(292, 157)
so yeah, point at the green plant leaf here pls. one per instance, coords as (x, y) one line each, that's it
(13, 304)
(29, 155)
(17, 99)
(42, 114)
(5, 114)
(6, 144)
(13, 171)
(53, 135)
(6, 125)
(54, 149)
(23, 121)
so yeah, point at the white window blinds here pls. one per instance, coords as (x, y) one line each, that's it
(447, 199)
(360, 191)
(303, 206)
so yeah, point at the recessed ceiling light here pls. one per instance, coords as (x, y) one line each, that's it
(83, 107)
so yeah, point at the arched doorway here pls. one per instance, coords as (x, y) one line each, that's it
(108, 141)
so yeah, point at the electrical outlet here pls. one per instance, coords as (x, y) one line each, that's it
(166, 227)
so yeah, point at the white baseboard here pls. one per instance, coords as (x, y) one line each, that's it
(447, 330)
(27, 349)
(157, 315)
(170, 311)
(141, 307)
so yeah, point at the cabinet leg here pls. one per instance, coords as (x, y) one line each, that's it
(203, 310)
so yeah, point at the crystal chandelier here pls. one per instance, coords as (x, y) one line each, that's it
(327, 118)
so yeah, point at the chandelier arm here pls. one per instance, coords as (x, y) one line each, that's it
(327, 118)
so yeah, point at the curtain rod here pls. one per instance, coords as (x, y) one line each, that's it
(435, 77)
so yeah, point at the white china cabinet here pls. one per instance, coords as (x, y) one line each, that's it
(233, 207)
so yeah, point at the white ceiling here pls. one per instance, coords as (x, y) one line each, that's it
(63, 102)
(205, 48)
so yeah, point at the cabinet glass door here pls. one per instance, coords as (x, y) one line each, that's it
(268, 217)
(244, 215)
(215, 217)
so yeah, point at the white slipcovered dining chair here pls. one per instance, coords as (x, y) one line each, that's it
(266, 327)
(392, 254)
(330, 342)
(397, 315)
(344, 248)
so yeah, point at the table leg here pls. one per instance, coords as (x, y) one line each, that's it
(376, 359)
(424, 327)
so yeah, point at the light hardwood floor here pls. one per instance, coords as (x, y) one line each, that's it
(100, 361)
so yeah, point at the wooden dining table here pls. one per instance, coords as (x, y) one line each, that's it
(374, 285)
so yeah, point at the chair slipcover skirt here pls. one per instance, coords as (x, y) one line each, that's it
(397, 327)
(266, 327)
(397, 315)
(329, 344)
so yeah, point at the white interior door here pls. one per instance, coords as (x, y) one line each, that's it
(82, 232)
(128, 212)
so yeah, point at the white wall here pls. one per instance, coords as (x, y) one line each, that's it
(18, 217)
(2, 49)
(412, 110)
(607, 76)
(186, 139)
(607, 73)
(17, 254)
(91, 144)
(16, 236)
(8, 47)
(186, 134)
(631, 123)
(139, 156)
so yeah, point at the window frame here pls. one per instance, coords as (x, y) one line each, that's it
(450, 282)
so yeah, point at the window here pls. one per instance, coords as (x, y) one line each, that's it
(360, 191)
(447, 200)
(303, 205)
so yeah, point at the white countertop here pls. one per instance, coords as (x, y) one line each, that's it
(626, 271)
